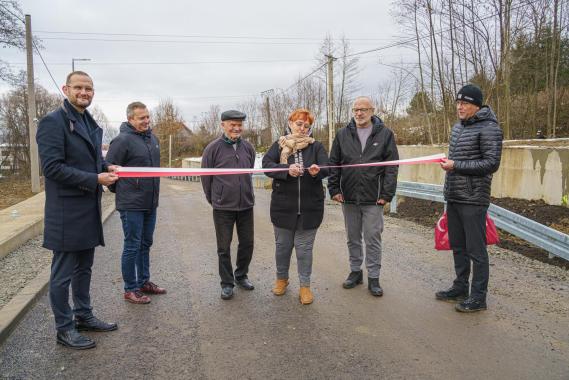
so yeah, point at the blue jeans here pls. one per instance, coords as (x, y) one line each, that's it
(138, 228)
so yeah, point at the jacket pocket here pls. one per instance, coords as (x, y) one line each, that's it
(469, 184)
(218, 193)
(70, 192)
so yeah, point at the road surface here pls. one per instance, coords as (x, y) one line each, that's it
(191, 333)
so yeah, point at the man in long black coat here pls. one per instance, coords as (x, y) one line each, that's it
(69, 142)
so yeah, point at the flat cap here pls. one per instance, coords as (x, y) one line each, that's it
(232, 115)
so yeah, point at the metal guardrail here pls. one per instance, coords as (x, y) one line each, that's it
(553, 241)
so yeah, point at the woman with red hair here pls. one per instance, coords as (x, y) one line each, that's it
(297, 200)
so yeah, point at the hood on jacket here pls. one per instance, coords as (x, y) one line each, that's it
(127, 128)
(375, 121)
(485, 113)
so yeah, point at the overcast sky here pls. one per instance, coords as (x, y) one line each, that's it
(150, 50)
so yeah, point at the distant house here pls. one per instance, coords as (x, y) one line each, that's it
(179, 131)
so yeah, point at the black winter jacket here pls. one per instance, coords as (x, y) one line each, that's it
(133, 148)
(476, 149)
(229, 192)
(293, 196)
(364, 186)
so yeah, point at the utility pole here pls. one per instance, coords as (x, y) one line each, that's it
(274, 132)
(34, 161)
(330, 101)
(170, 151)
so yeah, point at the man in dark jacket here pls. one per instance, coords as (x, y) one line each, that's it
(69, 143)
(137, 200)
(232, 199)
(475, 150)
(363, 191)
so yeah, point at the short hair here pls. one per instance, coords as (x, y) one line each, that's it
(301, 114)
(77, 72)
(364, 98)
(132, 106)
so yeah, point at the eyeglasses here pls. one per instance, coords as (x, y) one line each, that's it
(364, 110)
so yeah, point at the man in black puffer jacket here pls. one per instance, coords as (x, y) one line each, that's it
(137, 201)
(475, 150)
(363, 191)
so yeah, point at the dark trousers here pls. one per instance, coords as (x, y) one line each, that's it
(467, 236)
(138, 228)
(70, 268)
(224, 222)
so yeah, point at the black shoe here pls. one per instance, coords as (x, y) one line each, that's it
(374, 287)
(72, 339)
(471, 305)
(227, 293)
(354, 278)
(245, 284)
(452, 295)
(93, 323)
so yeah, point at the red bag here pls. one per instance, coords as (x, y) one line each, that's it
(442, 242)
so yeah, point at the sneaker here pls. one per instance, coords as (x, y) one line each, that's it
(354, 278)
(471, 305)
(452, 295)
(136, 297)
(152, 288)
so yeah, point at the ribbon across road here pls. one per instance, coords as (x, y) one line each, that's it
(137, 172)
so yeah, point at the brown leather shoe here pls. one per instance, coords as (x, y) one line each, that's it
(151, 288)
(280, 287)
(136, 297)
(306, 296)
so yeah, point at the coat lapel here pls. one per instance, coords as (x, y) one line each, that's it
(79, 127)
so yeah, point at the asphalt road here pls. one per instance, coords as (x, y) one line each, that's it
(191, 333)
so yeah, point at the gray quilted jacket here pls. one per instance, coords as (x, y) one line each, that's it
(476, 149)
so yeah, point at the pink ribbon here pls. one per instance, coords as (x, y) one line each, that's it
(132, 172)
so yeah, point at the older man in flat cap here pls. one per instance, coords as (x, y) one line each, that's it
(232, 199)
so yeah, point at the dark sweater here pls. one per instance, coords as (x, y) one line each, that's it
(229, 192)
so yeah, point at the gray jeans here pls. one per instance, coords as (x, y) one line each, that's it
(369, 221)
(302, 241)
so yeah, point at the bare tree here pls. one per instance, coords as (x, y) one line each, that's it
(14, 121)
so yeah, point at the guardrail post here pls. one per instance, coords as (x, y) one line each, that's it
(393, 205)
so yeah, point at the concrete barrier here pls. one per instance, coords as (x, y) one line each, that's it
(20, 223)
(526, 172)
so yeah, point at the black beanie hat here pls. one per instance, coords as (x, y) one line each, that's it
(471, 94)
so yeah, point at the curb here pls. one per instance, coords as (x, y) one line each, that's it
(15, 310)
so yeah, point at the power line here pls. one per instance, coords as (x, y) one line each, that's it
(176, 63)
(187, 42)
(47, 68)
(203, 36)
(13, 14)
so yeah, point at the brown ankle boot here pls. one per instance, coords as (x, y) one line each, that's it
(280, 286)
(306, 296)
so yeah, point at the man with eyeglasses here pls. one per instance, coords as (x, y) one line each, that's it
(232, 199)
(363, 191)
(69, 142)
